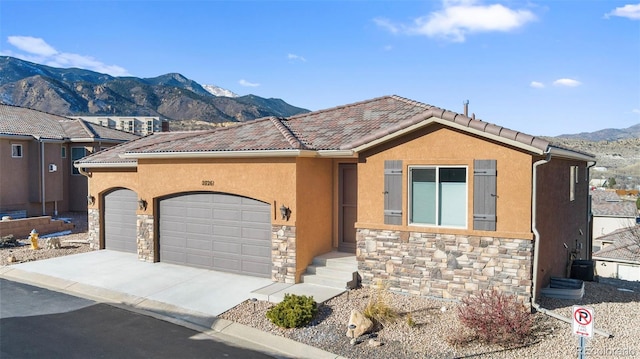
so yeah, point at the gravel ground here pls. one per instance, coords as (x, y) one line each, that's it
(615, 312)
(435, 321)
(76, 242)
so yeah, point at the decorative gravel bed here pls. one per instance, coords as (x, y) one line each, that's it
(615, 312)
(73, 243)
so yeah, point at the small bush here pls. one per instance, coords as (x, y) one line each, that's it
(293, 312)
(378, 308)
(496, 318)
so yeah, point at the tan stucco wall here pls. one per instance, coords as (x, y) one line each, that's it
(560, 220)
(314, 178)
(439, 145)
(13, 174)
(303, 184)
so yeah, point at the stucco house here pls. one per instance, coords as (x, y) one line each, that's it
(428, 201)
(610, 213)
(620, 256)
(37, 151)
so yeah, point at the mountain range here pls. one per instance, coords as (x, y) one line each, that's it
(78, 92)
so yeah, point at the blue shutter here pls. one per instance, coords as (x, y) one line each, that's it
(484, 195)
(393, 192)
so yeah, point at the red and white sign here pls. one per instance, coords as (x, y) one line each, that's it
(583, 321)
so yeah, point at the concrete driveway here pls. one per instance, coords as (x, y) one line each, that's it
(156, 286)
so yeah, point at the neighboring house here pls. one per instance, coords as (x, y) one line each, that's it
(429, 201)
(37, 151)
(610, 213)
(139, 125)
(620, 256)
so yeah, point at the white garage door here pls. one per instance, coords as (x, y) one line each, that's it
(120, 221)
(216, 231)
(628, 272)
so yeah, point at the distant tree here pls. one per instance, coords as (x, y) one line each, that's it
(638, 203)
(612, 182)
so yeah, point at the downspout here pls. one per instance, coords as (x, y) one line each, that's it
(42, 184)
(536, 249)
(589, 215)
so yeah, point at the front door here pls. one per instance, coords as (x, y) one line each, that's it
(347, 206)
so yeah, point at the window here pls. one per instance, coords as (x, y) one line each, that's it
(63, 152)
(438, 196)
(16, 151)
(76, 154)
(150, 126)
(573, 179)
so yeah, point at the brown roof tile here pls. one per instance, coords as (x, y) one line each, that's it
(625, 246)
(340, 128)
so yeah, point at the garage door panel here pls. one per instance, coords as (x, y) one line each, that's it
(120, 221)
(217, 231)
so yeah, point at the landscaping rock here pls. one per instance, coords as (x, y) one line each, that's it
(362, 323)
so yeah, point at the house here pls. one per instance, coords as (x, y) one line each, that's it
(139, 125)
(430, 202)
(621, 258)
(37, 151)
(610, 213)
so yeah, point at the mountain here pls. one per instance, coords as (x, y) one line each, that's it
(608, 134)
(219, 91)
(78, 92)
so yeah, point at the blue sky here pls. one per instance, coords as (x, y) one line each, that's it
(540, 67)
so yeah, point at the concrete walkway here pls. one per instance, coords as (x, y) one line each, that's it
(193, 297)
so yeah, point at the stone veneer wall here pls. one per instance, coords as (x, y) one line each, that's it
(93, 218)
(283, 254)
(445, 266)
(145, 237)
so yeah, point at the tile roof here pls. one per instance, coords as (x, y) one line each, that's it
(27, 122)
(340, 128)
(625, 246)
(609, 204)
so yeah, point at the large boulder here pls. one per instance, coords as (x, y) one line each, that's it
(362, 324)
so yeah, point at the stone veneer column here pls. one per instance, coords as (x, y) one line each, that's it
(145, 238)
(93, 218)
(445, 266)
(283, 254)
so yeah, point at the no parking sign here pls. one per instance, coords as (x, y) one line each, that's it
(583, 321)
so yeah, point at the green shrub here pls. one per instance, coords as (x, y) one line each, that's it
(293, 312)
(496, 318)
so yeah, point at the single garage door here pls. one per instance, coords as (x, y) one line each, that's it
(216, 231)
(627, 272)
(120, 221)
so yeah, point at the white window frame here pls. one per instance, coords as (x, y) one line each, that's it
(410, 196)
(17, 150)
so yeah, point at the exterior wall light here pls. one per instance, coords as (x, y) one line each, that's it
(142, 204)
(285, 212)
(91, 200)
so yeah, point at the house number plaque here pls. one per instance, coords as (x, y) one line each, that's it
(207, 183)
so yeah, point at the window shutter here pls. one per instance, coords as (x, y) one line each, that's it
(393, 192)
(484, 195)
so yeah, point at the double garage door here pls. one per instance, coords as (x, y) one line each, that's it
(206, 230)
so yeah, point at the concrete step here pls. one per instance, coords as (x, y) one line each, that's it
(333, 269)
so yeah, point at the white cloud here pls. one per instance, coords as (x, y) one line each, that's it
(567, 82)
(536, 84)
(32, 45)
(37, 50)
(295, 57)
(636, 111)
(246, 83)
(386, 24)
(630, 11)
(459, 18)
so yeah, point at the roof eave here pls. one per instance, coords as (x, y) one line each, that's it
(337, 153)
(571, 155)
(106, 165)
(451, 124)
(611, 259)
(8, 136)
(220, 154)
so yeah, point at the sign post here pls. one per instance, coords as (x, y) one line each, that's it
(582, 326)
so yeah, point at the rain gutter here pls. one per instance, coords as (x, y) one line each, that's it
(221, 154)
